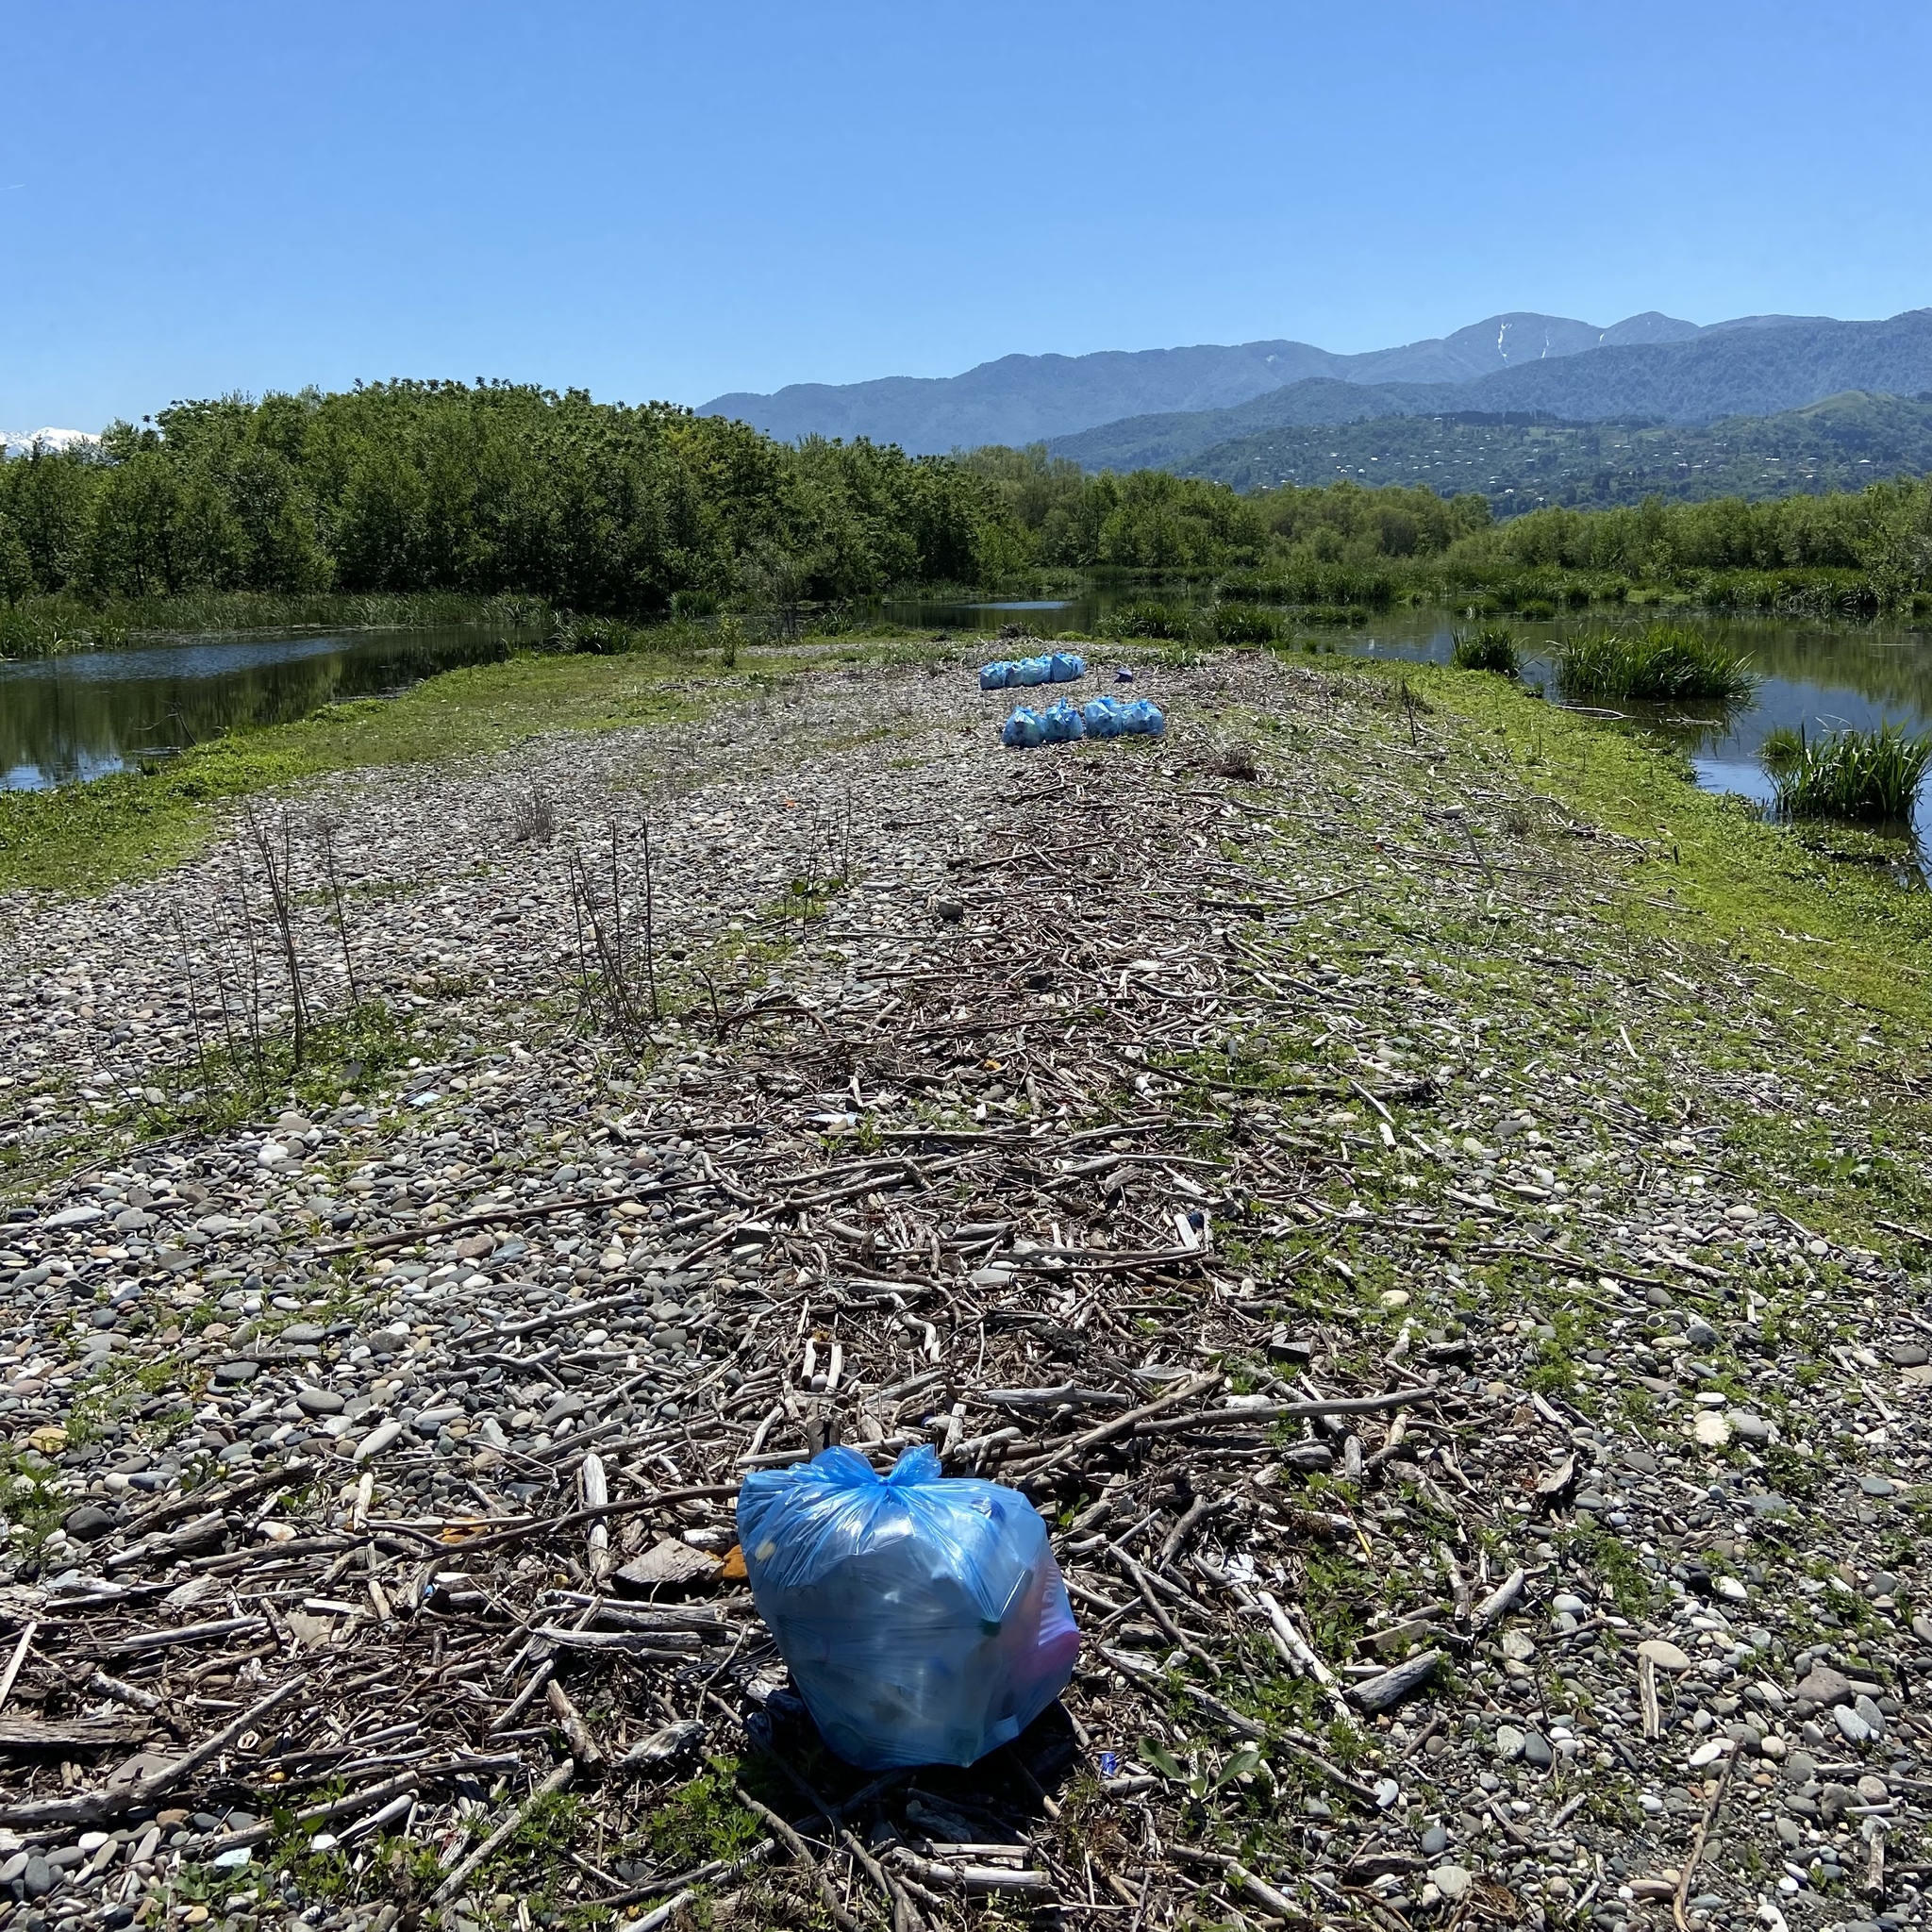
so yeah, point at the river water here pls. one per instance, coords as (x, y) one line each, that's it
(82, 716)
(92, 712)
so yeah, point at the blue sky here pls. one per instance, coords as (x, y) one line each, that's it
(672, 201)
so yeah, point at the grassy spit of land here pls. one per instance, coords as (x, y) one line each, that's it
(1486, 1042)
(1482, 1042)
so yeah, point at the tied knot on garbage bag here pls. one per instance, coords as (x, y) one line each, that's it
(923, 1615)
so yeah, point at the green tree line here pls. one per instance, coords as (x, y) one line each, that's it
(499, 487)
(486, 489)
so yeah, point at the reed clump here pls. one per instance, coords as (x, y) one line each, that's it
(1870, 777)
(1244, 623)
(1488, 647)
(1149, 619)
(1663, 663)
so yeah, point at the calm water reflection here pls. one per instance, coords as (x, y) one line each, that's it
(63, 719)
(1810, 678)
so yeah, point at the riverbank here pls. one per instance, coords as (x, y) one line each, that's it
(1346, 1042)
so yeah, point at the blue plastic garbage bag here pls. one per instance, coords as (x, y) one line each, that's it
(1065, 666)
(996, 676)
(1102, 717)
(1031, 671)
(923, 1615)
(1059, 723)
(1021, 729)
(1145, 719)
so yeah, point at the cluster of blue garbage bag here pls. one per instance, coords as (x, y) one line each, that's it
(1096, 718)
(1051, 667)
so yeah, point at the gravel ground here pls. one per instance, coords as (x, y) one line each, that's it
(1461, 1348)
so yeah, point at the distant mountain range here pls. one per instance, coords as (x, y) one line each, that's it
(1168, 408)
(1732, 371)
(1522, 462)
(1022, 399)
(1650, 363)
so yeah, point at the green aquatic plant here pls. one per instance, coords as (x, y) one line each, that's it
(1149, 619)
(1488, 647)
(1242, 623)
(1666, 661)
(1869, 775)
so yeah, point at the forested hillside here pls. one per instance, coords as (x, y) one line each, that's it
(1840, 443)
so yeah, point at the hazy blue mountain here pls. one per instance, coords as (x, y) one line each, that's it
(1735, 371)
(1519, 463)
(1759, 366)
(1021, 399)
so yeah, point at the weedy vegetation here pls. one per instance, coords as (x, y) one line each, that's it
(1488, 647)
(1869, 777)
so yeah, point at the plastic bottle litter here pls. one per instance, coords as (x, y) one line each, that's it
(923, 1615)
(1055, 667)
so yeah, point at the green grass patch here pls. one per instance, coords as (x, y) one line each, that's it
(703, 1820)
(1707, 870)
(1487, 647)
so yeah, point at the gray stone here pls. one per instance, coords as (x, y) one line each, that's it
(1877, 1484)
(1751, 1426)
(319, 1401)
(1536, 1751)
(1852, 1726)
(1664, 1655)
(1509, 1742)
(1435, 1840)
(89, 1523)
(1452, 1881)
(236, 1375)
(1821, 1684)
